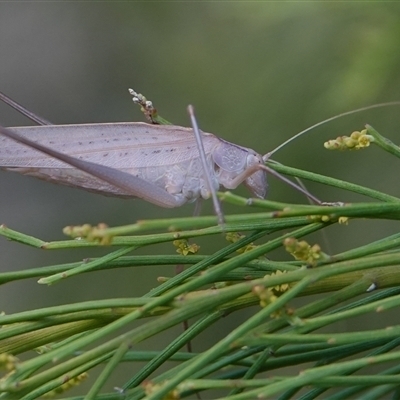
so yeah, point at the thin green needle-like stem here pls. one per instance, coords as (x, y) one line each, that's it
(85, 267)
(174, 346)
(383, 142)
(326, 180)
(224, 344)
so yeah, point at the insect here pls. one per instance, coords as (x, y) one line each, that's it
(157, 163)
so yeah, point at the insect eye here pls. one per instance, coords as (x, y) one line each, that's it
(253, 159)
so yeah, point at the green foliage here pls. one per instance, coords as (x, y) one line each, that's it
(72, 339)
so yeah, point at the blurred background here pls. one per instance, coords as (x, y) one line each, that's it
(257, 73)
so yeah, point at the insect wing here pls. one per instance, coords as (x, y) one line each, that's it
(136, 149)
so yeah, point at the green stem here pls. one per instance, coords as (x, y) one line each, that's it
(326, 180)
(383, 142)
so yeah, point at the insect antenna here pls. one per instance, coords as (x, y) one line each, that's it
(301, 188)
(18, 107)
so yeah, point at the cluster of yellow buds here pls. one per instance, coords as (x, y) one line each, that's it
(69, 384)
(267, 296)
(328, 218)
(279, 288)
(89, 232)
(233, 237)
(321, 218)
(356, 141)
(147, 108)
(302, 251)
(184, 248)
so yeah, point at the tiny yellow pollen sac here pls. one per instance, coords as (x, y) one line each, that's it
(233, 237)
(265, 295)
(302, 251)
(349, 143)
(247, 248)
(290, 244)
(364, 141)
(150, 388)
(343, 220)
(67, 385)
(184, 248)
(78, 231)
(283, 287)
(331, 145)
(8, 362)
(355, 135)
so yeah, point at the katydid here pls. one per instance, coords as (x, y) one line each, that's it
(158, 163)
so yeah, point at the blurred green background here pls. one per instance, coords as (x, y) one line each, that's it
(257, 74)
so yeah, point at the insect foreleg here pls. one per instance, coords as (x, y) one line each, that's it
(131, 184)
(292, 184)
(235, 182)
